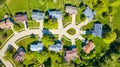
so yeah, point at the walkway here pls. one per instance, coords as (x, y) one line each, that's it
(60, 31)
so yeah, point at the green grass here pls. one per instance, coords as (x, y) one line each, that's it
(66, 20)
(116, 17)
(2, 32)
(78, 44)
(33, 24)
(25, 42)
(66, 41)
(18, 26)
(71, 31)
(50, 24)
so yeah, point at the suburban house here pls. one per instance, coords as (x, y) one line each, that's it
(6, 23)
(20, 17)
(36, 47)
(70, 53)
(71, 10)
(56, 47)
(19, 55)
(37, 15)
(55, 14)
(88, 46)
(89, 14)
(97, 31)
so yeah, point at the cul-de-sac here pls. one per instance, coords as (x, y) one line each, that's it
(59, 33)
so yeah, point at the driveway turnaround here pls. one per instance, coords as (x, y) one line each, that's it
(60, 31)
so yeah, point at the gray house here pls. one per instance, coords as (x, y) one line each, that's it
(37, 15)
(36, 47)
(55, 14)
(89, 14)
(97, 31)
(55, 47)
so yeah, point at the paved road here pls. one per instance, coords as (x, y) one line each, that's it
(60, 31)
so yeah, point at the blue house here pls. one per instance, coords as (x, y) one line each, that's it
(56, 47)
(89, 14)
(97, 31)
(55, 14)
(37, 15)
(36, 47)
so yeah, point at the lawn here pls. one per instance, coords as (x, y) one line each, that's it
(66, 41)
(4, 34)
(116, 17)
(66, 20)
(26, 41)
(71, 31)
(50, 24)
(33, 24)
(78, 44)
(18, 26)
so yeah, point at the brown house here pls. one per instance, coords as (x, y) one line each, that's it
(70, 53)
(19, 55)
(88, 47)
(71, 10)
(20, 17)
(6, 23)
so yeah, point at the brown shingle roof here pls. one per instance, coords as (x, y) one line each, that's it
(70, 54)
(71, 10)
(88, 47)
(20, 17)
(6, 24)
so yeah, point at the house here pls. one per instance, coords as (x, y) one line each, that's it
(55, 14)
(19, 55)
(20, 17)
(70, 53)
(89, 14)
(56, 47)
(89, 46)
(97, 31)
(37, 15)
(36, 47)
(6, 23)
(54, 1)
(71, 10)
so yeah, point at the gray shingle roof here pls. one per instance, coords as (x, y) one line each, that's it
(55, 47)
(36, 47)
(89, 14)
(37, 16)
(97, 30)
(71, 10)
(55, 14)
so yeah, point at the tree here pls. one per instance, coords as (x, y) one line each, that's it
(2, 1)
(109, 37)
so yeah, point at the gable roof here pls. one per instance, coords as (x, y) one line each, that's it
(89, 14)
(55, 14)
(20, 17)
(6, 23)
(56, 47)
(36, 47)
(71, 10)
(70, 53)
(88, 47)
(37, 15)
(97, 31)
(19, 55)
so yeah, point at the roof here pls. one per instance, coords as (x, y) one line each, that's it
(36, 47)
(88, 47)
(89, 14)
(97, 31)
(70, 54)
(21, 17)
(71, 10)
(6, 23)
(37, 15)
(19, 55)
(55, 47)
(55, 14)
